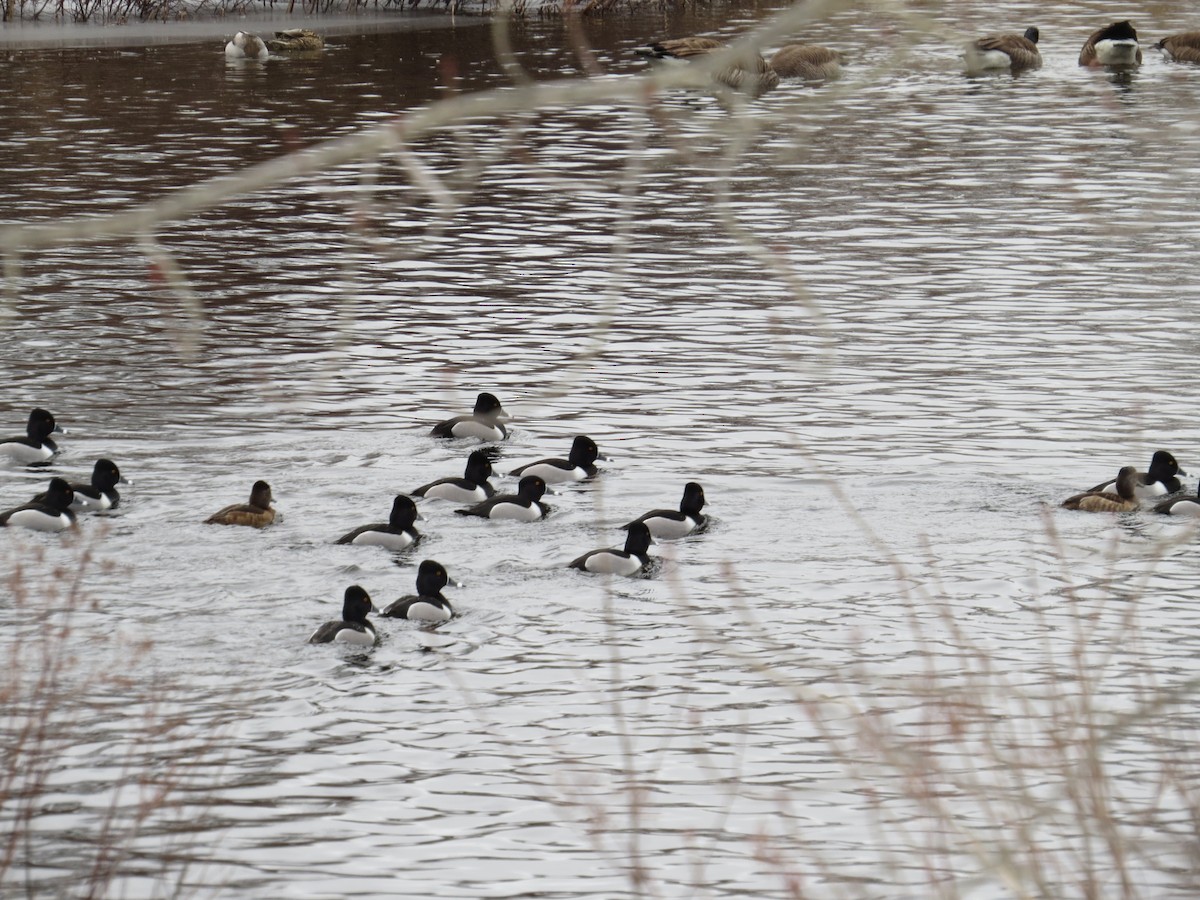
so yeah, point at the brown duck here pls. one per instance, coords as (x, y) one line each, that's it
(1123, 500)
(256, 514)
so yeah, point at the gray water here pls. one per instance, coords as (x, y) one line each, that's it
(994, 311)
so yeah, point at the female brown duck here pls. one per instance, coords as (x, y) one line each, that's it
(256, 514)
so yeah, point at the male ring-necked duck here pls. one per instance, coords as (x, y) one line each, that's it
(669, 524)
(1112, 45)
(352, 627)
(579, 464)
(256, 514)
(428, 605)
(620, 562)
(296, 40)
(1004, 51)
(53, 513)
(1160, 479)
(1123, 500)
(246, 46)
(809, 62)
(1187, 505)
(36, 445)
(101, 493)
(394, 534)
(523, 506)
(1183, 47)
(486, 422)
(471, 488)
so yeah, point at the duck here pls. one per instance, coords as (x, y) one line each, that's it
(101, 493)
(1157, 481)
(756, 78)
(296, 40)
(255, 514)
(1123, 500)
(1004, 51)
(246, 46)
(579, 464)
(35, 446)
(809, 62)
(668, 524)
(54, 513)
(396, 533)
(629, 561)
(353, 627)
(473, 487)
(523, 506)
(485, 422)
(1183, 47)
(1187, 505)
(428, 605)
(1112, 45)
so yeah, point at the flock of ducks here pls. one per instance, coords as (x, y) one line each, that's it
(55, 510)
(1114, 45)
(1125, 492)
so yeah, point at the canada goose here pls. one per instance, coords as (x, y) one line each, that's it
(1004, 51)
(809, 62)
(1112, 45)
(1181, 47)
(1106, 501)
(246, 46)
(757, 82)
(296, 40)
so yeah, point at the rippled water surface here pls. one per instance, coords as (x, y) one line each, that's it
(883, 322)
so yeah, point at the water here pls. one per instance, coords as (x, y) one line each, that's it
(996, 313)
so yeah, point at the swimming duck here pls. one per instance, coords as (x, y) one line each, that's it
(296, 40)
(486, 422)
(1112, 45)
(809, 62)
(51, 514)
(524, 506)
(1187, 505)
(620, 562)
(353, 627)
(1183, 47)
(394, 534)
(428, 605)
(101, 493)
(256, 514)
(246, 46)
(1160, 479)
(1123, 500)
(669, 524)
(1004, 51)
(756, 78)
(35, 446)
(579, 464)
(471, 488)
